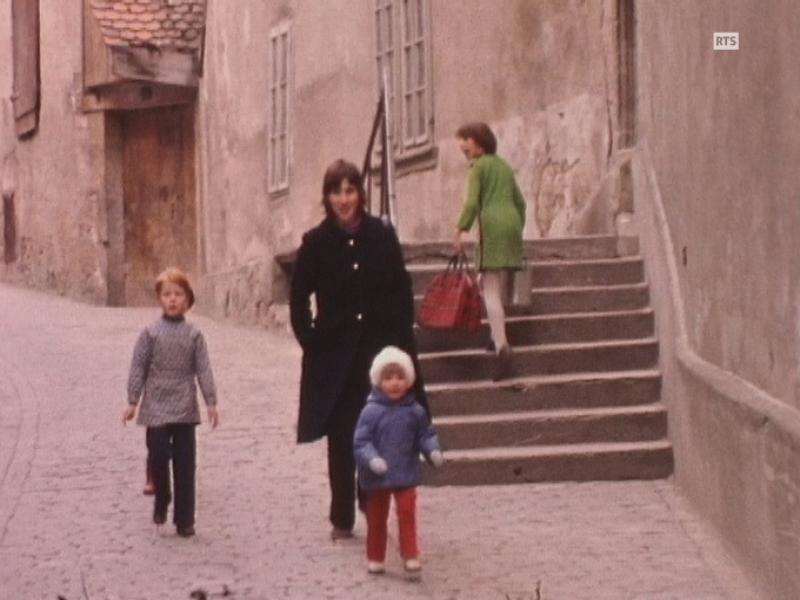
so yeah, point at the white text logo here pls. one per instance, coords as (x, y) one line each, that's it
(726, 40)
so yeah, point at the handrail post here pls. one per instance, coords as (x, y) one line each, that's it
(389, 152)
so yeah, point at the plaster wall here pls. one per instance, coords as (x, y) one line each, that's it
(718, 124)
(57, 193)
(717, 204)
(542, 74)
(6, 109)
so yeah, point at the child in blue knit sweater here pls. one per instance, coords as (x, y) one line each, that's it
(392, 430)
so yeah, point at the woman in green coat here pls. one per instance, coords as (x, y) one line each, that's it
(496, 203)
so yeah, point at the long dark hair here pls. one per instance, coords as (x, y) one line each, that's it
(335, 174)
(481, 134)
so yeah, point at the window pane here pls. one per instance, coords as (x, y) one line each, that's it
(284, 159)
(409, 121)
(274, 60)
(273, 163)
(420, 18)
(389, 28)
(390, 74)
(378, 33)
(408, 34)
(284, 57)
(421, 65)
(274, 107)
(423, 115)
(284, 109)
(409, 68)
(278, 59)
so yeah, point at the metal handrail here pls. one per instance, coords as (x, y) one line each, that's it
(381, 125)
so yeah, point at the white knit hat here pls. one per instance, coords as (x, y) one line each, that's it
(391, 355)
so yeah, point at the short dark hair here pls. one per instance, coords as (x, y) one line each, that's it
(335, 174)
(481, 134)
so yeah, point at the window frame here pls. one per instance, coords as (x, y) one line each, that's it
(416, 146)
(279, 137)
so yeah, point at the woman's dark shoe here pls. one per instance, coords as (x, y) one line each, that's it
(341, 534)
(186, 532)
(504, 368)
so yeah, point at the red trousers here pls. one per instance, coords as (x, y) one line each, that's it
(378, 502)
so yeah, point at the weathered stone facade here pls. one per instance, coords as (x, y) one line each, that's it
(708, 159)
(544, 75)
(52, 175)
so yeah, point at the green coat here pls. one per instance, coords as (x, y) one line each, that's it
(493, 192)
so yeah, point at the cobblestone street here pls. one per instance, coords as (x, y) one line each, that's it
(74, 524)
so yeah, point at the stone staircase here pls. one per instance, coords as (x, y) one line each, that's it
(585, 402)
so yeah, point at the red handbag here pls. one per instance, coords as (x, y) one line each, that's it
(452, 300)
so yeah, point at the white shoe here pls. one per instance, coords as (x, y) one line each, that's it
(375, 568)
(412, 565)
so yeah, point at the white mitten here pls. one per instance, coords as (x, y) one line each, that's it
(378, 466)
(437, 458)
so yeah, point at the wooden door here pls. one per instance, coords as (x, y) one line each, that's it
(159, 197)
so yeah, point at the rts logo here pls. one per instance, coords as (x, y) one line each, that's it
(726, 40)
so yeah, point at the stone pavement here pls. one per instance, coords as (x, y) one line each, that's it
(73, 522)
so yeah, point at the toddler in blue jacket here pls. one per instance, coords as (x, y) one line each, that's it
(392, 430)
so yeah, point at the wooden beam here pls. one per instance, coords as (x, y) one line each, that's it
(152, 64)
(135, 96)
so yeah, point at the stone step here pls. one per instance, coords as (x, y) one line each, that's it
(575, 273)
(548, 427)
(560, 273)
(546, 329)
(594, 246)
(471, 365)
(569, 462)
(560, 300)
(542, 392)
(567, 300)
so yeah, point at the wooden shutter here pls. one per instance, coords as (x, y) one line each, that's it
(25, 39)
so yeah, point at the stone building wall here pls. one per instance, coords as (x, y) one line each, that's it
(717, 201)
(53, 173)
(543, 75)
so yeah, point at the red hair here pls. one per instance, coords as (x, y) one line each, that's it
(178, 277)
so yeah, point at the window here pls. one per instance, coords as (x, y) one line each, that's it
(9, 228)
(25, 48)
(280, 49)
(403, 49)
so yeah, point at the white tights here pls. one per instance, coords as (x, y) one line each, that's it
(495, 284)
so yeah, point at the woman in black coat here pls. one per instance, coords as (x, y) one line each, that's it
(353, 266)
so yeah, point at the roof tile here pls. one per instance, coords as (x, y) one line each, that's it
(171, 24)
